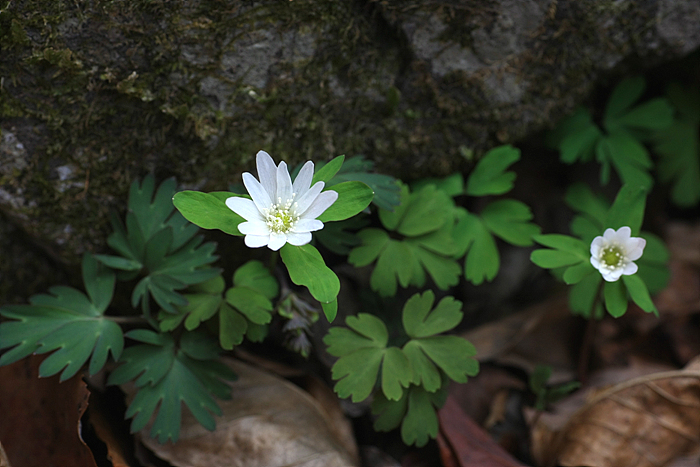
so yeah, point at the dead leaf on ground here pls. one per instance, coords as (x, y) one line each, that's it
(463, 443)
(4, 461)
(40, 419)
(643, 422)
(269, 422)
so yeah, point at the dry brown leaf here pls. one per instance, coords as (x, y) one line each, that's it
(4, 461)
(40, 417)
(269, 422)
(643, 422)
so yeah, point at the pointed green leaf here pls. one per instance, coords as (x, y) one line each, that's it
(208, 210)
(328, 171)
(615, 295)
(639, 293)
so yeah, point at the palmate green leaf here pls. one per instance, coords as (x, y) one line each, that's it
(362, 351)
(482, 261)
(509, 219)
(678, 147)
(489, 177)
(306, 267)
(416, 412)
(166, 376)
(203, 301)
(453, 184)
(420, 321)
(67, 323)
(257, 277)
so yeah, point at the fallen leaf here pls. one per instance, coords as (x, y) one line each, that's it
(4, 461)
(463, 443)
(643, 422)
(269, 422)
(40, 423)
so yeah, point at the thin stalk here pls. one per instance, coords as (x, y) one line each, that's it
(587, 344)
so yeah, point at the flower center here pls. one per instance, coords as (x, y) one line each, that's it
(280, 218)
(612, 256)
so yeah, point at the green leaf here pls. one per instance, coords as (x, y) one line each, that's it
(623, 96)
(353, 198)
(340, 237)
(628, 209)
(387, 190)
(167, 376)
(252, 304)
(584, 294)
(330, 309)
(628, 156)
(509, 219)
(489, 177)
(306, 267)
(615, 295)
(67, 323)
(396, 373)
(581, 198)
(566, 251)
(579, 144)
(257, 277)
(639, 293)
(448, 353)
(427, 211)
(445, 272)
(654, 114)
(483, 260)
(373, 243)
(208, 210)
(425, 373)
(118, 262)
(574, 274)
(419, 321)
(328, 171)
(232, 326)
(678, 147)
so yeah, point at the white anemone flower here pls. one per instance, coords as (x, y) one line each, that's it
(280, 212)
(613, 253)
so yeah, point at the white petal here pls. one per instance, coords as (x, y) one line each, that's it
(277, 241)
(609, 234)
(258, 228)
(244, 208)
(299, 238)
(308, 197)
(612, 276)
(624, 233)
(320, 204)
(307, 225)
(303, 181)
(256, 241)
(636, 248)
(261, 198)
(630, 269)
(596, 245)
(284, 184)
(267, 172)
(594, 260)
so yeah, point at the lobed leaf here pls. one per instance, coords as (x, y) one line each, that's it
(489, 177)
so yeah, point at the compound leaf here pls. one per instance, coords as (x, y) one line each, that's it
(489, 177)
(419, 321)
(509, 219)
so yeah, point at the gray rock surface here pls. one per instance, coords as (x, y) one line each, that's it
(96, 95)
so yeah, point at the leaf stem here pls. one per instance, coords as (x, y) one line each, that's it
(127, 319)
(589, 334)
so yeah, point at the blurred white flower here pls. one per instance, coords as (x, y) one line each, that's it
(280, 212)
(613, 253)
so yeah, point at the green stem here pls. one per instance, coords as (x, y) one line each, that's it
(588, 336)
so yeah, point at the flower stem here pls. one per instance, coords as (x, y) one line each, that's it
(588, 336)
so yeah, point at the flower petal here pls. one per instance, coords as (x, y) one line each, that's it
(259, 228)
(303, 181)
(597, 245)
(612, 276)
(320, 204)
(307, 225)
(635, 251)
(624, 233)
(244, 208)
(256, 241)
(594, 259)
(267, 172)
(277, 241)
(284, 185)
(260, 197)
(299, 238)
(609, 234)
(630, 268)
(304, 201)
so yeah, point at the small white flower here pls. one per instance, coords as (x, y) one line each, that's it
(280, 211)
(613, 253)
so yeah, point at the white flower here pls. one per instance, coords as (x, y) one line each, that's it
(280, 211)
(613, 253)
